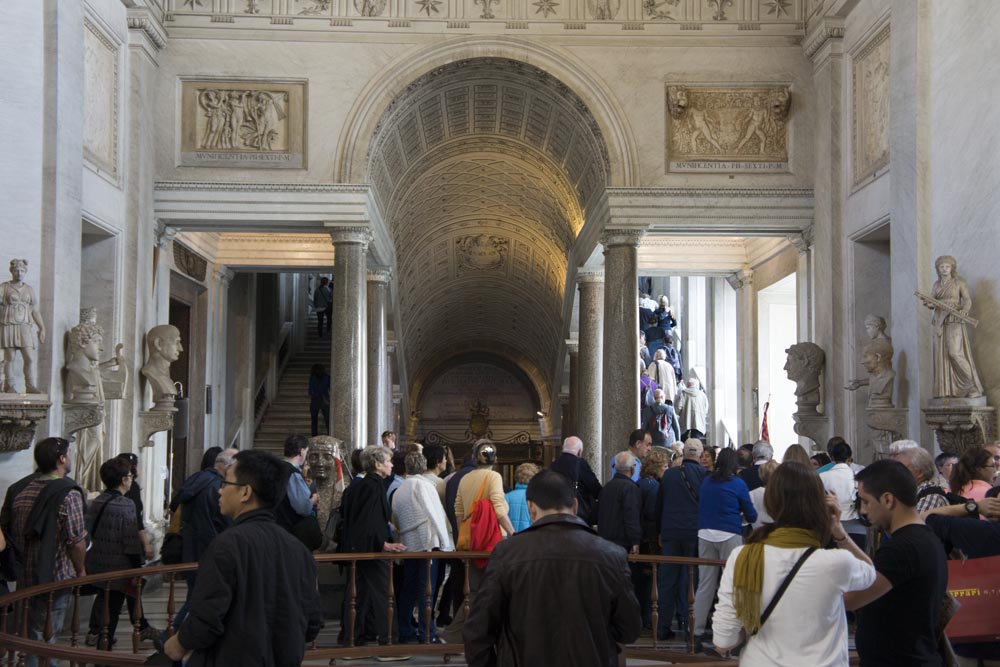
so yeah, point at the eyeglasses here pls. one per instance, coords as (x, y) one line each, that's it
(227, 483)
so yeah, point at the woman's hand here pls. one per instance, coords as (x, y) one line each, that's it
(837, 531)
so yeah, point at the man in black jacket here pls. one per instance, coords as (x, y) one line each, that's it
(555, 569)
(255, 601)
(572, 464)
(620, 506)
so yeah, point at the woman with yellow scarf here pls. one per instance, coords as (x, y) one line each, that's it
(807, 625)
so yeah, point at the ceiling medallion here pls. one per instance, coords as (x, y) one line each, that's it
(429, 6)
(482, 252)
(545, 7)
(777, 7)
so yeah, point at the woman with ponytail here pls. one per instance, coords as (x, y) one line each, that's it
(807, 624)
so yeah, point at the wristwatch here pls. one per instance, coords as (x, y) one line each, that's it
(972, 507)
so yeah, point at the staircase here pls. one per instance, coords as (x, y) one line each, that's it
(288, 413)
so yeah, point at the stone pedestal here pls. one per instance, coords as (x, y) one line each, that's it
(814, 426)
(589, 366)
(961, 423)
(78, 417)
(378, 357)
(347, 358)
(19, 416)
(155, 421)
(884, 426)
(620, 413)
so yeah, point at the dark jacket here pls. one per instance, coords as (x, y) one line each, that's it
(678, 502)
(255, 602)
(618, 512)
(571, 466)
(451, 494)
(200, 514)
(43, 520)
(751, 476)
(365, 515)
(555, 569)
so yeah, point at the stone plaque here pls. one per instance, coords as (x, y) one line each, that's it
(870, 108)
(100, 93)
(242, 123)
(716, 129)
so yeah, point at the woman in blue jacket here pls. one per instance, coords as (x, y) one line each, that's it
(724, 501)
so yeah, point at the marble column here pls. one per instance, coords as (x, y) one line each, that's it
(588, 421)
(746, 353)
(217, 354)
(378, 356)
(347, 357)
(570, 413)
(390, 395)
(620, 409)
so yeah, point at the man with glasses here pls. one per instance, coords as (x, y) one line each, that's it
(43, 517)
(255, 600)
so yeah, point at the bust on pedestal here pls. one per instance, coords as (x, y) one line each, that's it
(804, 365)
(326, 468)
(163, 345)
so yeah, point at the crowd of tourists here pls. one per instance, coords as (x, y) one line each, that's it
(807, 548)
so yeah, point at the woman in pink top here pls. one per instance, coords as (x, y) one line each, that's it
(970, 477)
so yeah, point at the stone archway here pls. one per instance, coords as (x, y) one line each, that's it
(484, 170)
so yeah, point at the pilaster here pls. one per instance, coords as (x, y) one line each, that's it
(746, 353)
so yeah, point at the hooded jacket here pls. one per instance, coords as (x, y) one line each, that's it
(199, 496)
(692, 409)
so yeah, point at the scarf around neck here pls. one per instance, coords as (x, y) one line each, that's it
(748, 575)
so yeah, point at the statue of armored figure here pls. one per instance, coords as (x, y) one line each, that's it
(876, 357)
(163, 344)
(86, 379)
(804, 364)
(19, 317)
(325, 467)
(955, 373)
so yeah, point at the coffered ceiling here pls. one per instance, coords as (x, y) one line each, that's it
(484, 169)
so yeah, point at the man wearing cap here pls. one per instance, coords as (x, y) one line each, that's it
(678, 525)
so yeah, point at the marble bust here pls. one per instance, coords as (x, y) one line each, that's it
(163, 345)
(19, 316)
(325, 467)
(803, 366)
(876, 357)
(83, 356)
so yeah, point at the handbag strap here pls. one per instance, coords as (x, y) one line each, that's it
(687, 483)
(482, 488)
(784, 585)
(97, 519)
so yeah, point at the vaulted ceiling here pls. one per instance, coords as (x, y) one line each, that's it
(484, 169)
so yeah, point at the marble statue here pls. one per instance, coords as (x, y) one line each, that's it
(19, 316)
(955, 373)
(803, 366)
(876, 357)
(163, 345)
(325, 466)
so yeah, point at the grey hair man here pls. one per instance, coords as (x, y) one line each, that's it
(762, 453)
(576, 469)
(920, 463)
(620, 506)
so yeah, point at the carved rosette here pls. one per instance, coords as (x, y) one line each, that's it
(961, 427)
(18, 420)
(78, 417)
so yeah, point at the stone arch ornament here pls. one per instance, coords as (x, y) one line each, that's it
(377, 97)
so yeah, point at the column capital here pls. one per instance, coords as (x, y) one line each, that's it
(223, 275)
(573, 346)
(740, 279)
(803, 240)
(352, 235)
(379, 274)
(590, 276)
(622, 237)
(165, 235)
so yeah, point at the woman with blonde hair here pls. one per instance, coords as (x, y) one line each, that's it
(788, 554)
(798, 454)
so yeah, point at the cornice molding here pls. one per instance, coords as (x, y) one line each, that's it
(712, 193)
(144, 20)
(825, 30)
(216, 186)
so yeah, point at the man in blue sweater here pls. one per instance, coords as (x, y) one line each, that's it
(678, 525)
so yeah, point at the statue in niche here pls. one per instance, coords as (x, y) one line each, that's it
(876, 357)
(19, 316)
(803, 366)
(163, 343)
(955, 373)
(325, 467)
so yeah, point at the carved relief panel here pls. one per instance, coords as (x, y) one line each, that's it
(100, 90)
(727, 129)
(870, 108)
(242, 123)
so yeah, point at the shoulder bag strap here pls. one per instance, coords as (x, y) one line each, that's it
(482, 488)
(97, 519)
(784, 586)
(687, 483)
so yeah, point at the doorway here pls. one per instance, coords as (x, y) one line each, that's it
(776, 318)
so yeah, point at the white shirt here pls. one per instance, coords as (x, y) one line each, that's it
(840, 480)
(808, 625)
(757, 498)
(419, 515)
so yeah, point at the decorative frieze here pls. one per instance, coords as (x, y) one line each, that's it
(870, 108)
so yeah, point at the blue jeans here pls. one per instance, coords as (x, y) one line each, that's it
(672, 583)
(37, 609)
(414, 594)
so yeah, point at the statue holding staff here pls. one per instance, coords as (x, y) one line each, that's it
(955, 373)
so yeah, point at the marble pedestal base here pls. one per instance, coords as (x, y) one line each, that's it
(961, 423)
(884, 426)
(155, 421)
(812, 426)
(19, 416)
(78, 417)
